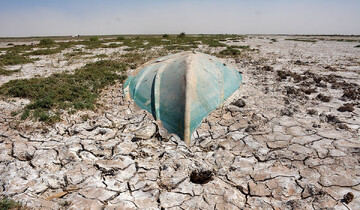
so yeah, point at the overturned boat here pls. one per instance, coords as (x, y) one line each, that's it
(181, 89)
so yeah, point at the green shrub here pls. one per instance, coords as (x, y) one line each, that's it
(69, 44)
(46, 42)
(113, 45)
(229, 51)
(120, 38)
(44, 52)
(166, 36)
(182, 35)
(94, 39)
(6, 203)
(130, 49)
(25, 114)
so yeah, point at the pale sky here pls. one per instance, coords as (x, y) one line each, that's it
(90, 17)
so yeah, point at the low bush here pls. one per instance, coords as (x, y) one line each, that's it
(46, 42)
(229, 51)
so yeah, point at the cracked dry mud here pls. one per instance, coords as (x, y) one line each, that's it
(279, 147)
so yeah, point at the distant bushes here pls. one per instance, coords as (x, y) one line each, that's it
(94, 39)
(46, 42)
(230, 51)
(182, 35)
(120, 38)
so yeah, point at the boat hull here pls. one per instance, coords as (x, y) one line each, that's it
(180, 90)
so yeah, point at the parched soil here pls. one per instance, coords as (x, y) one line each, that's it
(287, 139)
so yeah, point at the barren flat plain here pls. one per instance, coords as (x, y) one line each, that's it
(287, 139)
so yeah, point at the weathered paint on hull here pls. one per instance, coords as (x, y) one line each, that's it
(181, 89)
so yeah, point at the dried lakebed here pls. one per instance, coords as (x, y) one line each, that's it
(287, 139)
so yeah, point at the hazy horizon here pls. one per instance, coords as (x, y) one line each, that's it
(20, 18)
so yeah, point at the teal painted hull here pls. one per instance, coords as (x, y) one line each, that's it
(180, 90)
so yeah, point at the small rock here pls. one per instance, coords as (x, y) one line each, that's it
(102, 131)
(291, 90)
(323, 98)
(346, 108)
(239, 103)
(332, 119)
(267, 68)
(299, 62)
(251, 128)
(342, 126)
(201, 177)
(348, 197)
(282, 75)
(286, 111)
(308, 91)
(312, 112)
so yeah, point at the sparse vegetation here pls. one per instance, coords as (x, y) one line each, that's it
(134, 58)
(46, 51)
(64, 91)
(130, 49)
(6, 203)
(244, 47)
(302, 40)
(53, 95)
(212, 42)
(14, 58)
(344, 40)
(76, 54)
(69, 44)
(101, 56)
(8, 72)
(181, 47)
